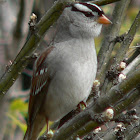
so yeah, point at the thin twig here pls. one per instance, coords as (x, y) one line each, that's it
(134, 55)
(132, 66)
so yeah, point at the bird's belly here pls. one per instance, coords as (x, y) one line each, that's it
(68, 88)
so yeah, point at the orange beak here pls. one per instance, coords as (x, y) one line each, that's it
(103, 20)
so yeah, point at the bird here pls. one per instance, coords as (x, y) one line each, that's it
(64, 73)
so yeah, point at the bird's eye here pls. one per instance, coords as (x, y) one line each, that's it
(88, 14)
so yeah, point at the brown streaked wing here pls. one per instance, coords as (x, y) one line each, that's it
(39, 87)
(40, 73)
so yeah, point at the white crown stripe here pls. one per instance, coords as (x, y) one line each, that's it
(82, 7)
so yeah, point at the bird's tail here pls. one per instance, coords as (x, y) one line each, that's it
(34, 129)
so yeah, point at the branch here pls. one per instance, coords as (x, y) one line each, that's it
(128, 102)
(119, 91)
(129, 122)
(132, 132)
(134, 55)
(132, 66)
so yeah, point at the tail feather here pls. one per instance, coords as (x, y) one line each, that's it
(34, 129)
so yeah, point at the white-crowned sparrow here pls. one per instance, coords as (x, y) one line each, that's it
(63, 74)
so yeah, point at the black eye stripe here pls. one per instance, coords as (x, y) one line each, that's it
(87, 14)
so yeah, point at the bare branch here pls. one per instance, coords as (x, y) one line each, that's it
(132, 66)
(134, 55)
(132, 131)
(128, 102)
(118, 91)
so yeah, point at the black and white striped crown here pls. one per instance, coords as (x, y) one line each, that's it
(88, 9)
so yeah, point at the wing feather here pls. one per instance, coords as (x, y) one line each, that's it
(39, 86)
